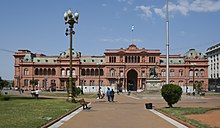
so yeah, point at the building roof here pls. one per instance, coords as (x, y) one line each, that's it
(66, 54)
(192, 53)
(212, 48)
(93, 59)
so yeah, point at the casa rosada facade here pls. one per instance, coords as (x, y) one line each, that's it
(124, 69)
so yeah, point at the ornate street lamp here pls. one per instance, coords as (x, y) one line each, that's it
(70, 19)
(193, 66)
(99, 66)
(167, 43)
(186, 84)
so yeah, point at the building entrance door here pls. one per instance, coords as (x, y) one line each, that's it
(132, 80)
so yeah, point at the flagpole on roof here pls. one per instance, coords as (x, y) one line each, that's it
(132, 30)
(167, 44)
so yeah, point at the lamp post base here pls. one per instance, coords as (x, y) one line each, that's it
(71, 99)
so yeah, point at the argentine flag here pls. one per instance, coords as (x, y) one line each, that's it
(132, 28)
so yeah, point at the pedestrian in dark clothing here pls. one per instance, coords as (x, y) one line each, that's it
(112, 93)
(108, 94)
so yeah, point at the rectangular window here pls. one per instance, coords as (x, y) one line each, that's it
(112, 59)
(152, 59)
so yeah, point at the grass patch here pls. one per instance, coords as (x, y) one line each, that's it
(212, 94)
(27, 112)
(54, 94)
(180, 113)
(91, 96)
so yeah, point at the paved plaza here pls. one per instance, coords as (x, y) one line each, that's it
(130, 112)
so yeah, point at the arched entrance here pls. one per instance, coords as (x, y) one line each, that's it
(132, 80)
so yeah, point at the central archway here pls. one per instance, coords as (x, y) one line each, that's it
(132, 80)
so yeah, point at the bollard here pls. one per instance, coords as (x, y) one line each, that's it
(148, 105)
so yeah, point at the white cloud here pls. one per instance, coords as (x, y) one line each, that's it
(146, 10)
(130, 2)
(125, 9)
(104, 5)
(159, 12)
(205, 5)
(183, 7)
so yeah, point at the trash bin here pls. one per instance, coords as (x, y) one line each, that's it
(148, 105)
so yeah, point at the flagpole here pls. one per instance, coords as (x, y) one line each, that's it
(167, 44)
(132, 30)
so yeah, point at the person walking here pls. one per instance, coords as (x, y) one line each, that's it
(108, 94)
(36, 93)
(112, 93)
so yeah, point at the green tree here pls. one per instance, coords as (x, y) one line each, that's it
(4, 83)
(33, 83)
(171, 93)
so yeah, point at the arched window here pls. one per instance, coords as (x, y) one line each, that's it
(83, 72)
(41, 72)
(36, 71)
(45, 71)
(73, 72)
(180, 72)
(26, 72)
(163, 82)
(172, 82)
(92, 72)
(112, 72)
(163, 72)
(196, 72)
(202, 72)
(53, 72)
(101, 72)
(181, 83)
(49, 71)
(190, 72)
(96, 72)
(87, 72)
(67, 72)
(63, 72)
(171, 72)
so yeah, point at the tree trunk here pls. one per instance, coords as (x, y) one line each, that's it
(170, 105)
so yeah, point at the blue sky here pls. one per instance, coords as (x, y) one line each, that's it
(105, 24)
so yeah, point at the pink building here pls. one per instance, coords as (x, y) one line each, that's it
(123, 69)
